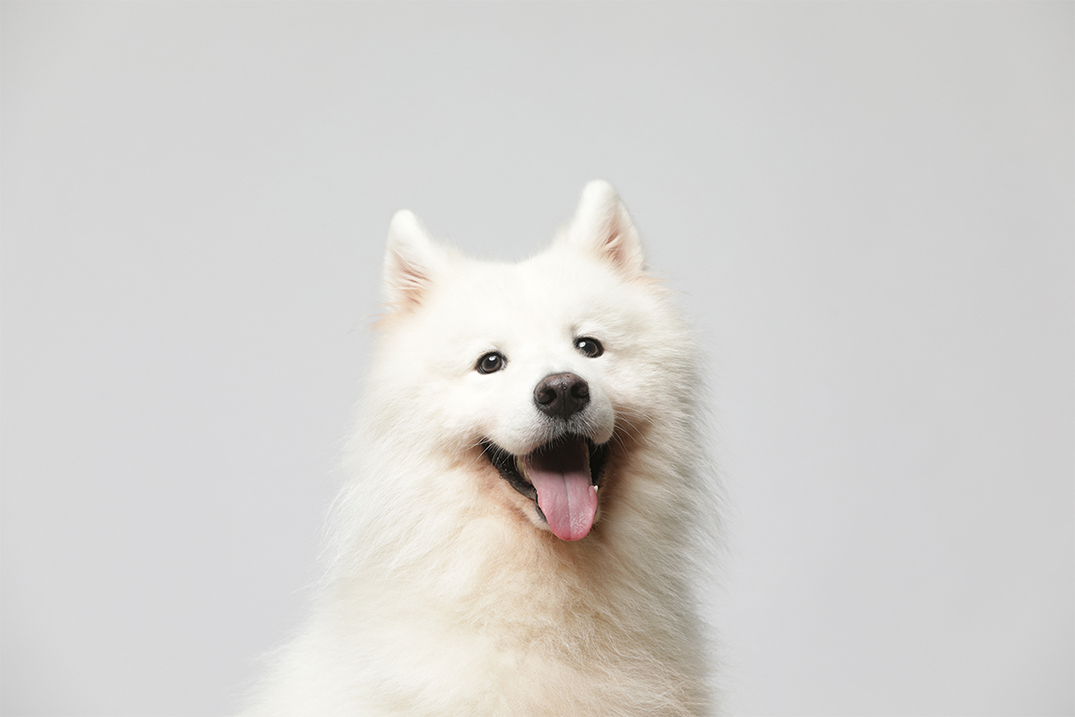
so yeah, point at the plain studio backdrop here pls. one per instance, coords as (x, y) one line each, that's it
(867, 209)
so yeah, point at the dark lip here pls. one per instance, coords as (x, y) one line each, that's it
(507, 464)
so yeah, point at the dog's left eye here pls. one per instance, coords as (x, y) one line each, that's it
(590, 347)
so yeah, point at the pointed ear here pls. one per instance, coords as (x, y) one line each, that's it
(603, 227)
(411, 259)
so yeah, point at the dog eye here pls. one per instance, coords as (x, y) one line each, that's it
(491, 362)
(590, 347)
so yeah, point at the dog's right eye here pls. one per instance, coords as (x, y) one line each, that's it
(491, 362)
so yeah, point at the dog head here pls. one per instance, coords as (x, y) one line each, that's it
(537, 366)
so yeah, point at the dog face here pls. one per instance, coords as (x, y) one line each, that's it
(537, 365)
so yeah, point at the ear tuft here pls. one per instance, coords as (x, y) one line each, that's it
(603, 227)
(410, 261)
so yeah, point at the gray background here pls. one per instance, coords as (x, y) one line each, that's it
(868, 209)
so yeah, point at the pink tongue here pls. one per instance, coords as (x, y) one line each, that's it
(561, 476)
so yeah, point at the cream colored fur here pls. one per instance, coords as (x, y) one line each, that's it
(446, 593)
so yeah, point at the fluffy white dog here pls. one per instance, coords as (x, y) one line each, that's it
(529, 495)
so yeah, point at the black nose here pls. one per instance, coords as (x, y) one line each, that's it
(562, 395)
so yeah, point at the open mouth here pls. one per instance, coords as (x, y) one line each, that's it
(561, 477)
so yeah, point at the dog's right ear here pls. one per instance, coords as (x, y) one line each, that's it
(410, 261)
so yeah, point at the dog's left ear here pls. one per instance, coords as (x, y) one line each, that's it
(603, 226)
(410, 261)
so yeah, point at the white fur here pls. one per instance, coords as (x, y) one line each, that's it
(447, 594)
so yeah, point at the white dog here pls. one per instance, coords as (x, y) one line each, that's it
(529, 495)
